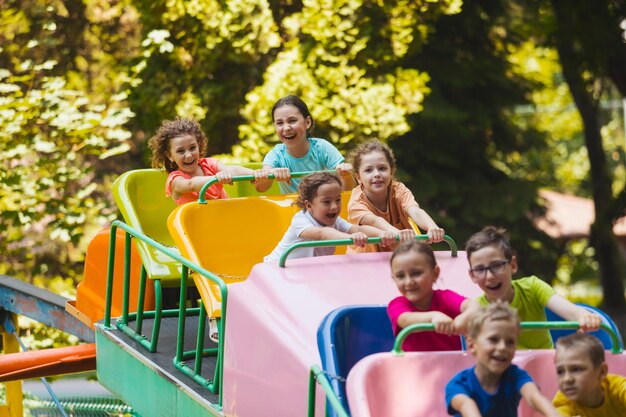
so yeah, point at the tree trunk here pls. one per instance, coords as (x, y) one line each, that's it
(612, 269)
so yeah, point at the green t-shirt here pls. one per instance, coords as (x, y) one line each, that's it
(530, 299)
(614, 404)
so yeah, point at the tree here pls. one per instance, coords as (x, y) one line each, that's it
(455, 156)
(56, 131)
(592, 61)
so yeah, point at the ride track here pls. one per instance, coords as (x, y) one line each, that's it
(282, 327)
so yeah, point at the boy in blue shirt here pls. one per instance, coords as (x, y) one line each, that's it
(494, 386)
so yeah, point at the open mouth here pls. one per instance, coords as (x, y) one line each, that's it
(189, 165)
(494, 287)
(569, 391)
(500, 360)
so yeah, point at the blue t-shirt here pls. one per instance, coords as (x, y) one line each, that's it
(322, 155)
(503, 403)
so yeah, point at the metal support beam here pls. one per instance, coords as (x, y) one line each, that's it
(14, 399)
(41, 305)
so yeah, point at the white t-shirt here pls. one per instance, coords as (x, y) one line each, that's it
(301, 221)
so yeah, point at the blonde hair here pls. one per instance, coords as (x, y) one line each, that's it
(373, 145)
(496, 311)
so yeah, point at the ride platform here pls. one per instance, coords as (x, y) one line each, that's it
(149, 381)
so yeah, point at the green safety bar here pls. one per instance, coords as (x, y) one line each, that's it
(526, 325)
(181, 355)
(214, 180)
(343, 242)
(318, 374)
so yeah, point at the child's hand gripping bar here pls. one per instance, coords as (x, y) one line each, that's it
(214, 180)
(344, 242)
(526, 325)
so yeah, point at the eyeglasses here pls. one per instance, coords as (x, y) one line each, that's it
(496, 268)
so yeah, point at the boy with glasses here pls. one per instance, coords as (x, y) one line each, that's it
(492, 266)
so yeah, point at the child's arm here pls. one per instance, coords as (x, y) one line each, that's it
(443, 323)
(234, 169)
(330, 233)
(180, 185)
(468, 308)
(424, 221)
(259, 174)
(388, 238)
(465, 405)
(344, 169)
(569, 311)
(537, 401)
(263, 183)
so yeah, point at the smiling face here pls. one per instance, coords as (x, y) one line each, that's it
(326, 204)
(291, 127)
(494, 347)
(496, 285)
(577, 376)
(414, 274)
(375, 173)
(184, 151)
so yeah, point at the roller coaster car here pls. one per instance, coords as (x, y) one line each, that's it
(279, 319)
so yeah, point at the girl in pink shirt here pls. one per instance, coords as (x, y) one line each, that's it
(177, 146)
(414, 270)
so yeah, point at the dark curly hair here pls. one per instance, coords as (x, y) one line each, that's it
(307, 189)
(170, 129)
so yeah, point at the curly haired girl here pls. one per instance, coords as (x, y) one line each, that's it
(177, 147)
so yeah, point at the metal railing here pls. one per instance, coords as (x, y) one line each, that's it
(214, 180)
(525, 325)
(182, 312)
(317, 374)
(345, 242)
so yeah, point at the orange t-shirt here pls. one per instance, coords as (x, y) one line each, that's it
(214, 192)
(399, 199)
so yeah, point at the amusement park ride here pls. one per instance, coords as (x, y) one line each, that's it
(300, 337)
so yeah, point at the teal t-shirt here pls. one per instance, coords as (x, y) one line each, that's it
(322, 155)
(530, 299)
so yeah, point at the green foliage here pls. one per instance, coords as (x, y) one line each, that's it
(212, 59)
(200, 59)
(455, 158)
(51, 137)
(344, 59)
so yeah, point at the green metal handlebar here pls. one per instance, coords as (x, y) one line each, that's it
(344, 242)
(526, 325)
(214, 180)
(317, 374)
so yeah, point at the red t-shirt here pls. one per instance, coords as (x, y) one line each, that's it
(214, 192)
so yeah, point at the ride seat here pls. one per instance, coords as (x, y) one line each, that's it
(140, 197)
(228, 237)
(600, 334)
(348, 334)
